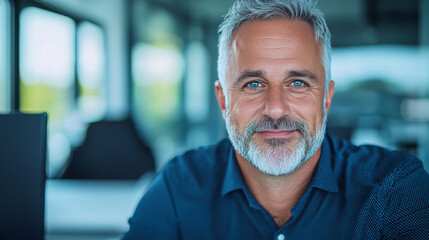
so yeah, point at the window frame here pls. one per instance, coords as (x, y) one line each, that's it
(8, 53)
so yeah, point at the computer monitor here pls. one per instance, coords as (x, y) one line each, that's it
(22, 175)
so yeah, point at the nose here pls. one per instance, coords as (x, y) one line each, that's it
(276, 103)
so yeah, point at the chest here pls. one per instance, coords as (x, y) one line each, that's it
(320, 216)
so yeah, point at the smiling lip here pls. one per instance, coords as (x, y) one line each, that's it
(276, 133)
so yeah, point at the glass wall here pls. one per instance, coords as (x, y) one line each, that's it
(173, 72)
(380, 69)
(196, 92)
(158, 67)
(380, 96)
(5, 58)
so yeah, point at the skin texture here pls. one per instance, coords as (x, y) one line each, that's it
(276, 70)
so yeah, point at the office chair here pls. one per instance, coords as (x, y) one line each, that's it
(111, 150)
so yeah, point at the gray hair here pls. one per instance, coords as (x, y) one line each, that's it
(251, 10)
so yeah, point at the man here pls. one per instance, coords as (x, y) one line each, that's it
(278, 176)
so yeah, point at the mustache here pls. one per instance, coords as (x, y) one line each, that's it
(284, 123)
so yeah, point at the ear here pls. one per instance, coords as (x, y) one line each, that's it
(220, 97)
(329, 95)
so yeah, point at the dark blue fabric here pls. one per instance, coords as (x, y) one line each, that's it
(361, 192)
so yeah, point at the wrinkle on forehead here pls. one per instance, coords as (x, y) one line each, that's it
(279, 40)
(275, 36)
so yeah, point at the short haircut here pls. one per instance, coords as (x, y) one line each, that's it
(252, 10)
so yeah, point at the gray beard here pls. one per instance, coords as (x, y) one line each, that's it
(282, 156)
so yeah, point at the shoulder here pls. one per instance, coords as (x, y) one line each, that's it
(374, 164)
(198, 166)
(391, 185)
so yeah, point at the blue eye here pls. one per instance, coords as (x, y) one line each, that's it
(253, 85)
(298, 83)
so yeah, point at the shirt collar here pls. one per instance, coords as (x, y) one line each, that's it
(323, 177)
(233, 179)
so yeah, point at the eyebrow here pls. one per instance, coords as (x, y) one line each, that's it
(249, 74)
(302, 73)
(262, 74)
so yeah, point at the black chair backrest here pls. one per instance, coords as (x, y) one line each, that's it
(111, 150)
(22, 175)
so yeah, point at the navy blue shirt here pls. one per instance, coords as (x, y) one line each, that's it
(361, 192)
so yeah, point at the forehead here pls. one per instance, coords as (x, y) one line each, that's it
(271, 34)
(275, 45)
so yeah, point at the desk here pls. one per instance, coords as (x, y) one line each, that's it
(91, 207)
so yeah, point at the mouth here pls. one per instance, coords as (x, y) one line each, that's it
(276, 134)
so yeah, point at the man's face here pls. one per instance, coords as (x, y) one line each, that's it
(275, 85)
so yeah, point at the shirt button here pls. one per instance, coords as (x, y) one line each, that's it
(281, 236)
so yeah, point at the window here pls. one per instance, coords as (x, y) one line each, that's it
(90, 69)
(62, 72)
(397, 64)
(196, 89)
(158, 68)
(46, 62)
(47, 68)
(378, 96)
(5, 47)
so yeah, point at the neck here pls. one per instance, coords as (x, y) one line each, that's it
(278, 194)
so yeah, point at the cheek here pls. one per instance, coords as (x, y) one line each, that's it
(243, 109)
(310, 110)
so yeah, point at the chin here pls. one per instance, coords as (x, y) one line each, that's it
(277, 160)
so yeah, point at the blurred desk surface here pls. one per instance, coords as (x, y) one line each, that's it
(91, 206)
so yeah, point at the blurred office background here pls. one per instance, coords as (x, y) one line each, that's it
(152, 64)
